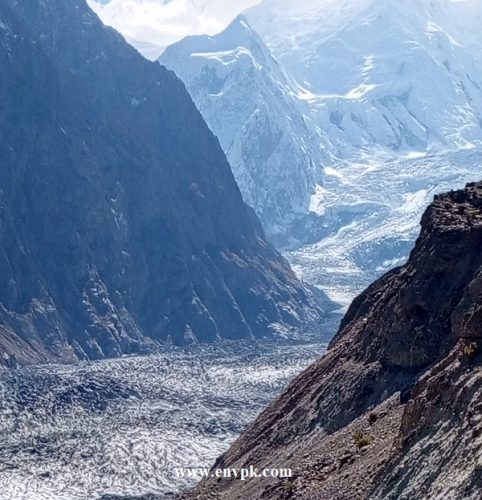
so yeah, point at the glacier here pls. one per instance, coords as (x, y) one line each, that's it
(338, 150)
(373, 207)
(121, 427)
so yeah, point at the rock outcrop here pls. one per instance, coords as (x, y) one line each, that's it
(394, 409)
(121, 225)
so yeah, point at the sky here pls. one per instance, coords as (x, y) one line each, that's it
(154, 24)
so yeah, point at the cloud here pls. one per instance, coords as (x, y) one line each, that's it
(154, 24)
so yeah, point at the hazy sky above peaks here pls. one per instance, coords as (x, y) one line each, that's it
(158, 23)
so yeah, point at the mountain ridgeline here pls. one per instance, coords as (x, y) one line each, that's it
(121, 225)
(394, 409)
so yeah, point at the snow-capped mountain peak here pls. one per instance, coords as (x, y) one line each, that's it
(251, 104)
(381, 99)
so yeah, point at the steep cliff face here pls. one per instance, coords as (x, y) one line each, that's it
(121, 225)
(394, 410)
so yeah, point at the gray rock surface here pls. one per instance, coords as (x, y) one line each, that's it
(121, 225)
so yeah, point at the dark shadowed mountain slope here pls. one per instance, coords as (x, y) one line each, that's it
(121, 225)
(394, 410)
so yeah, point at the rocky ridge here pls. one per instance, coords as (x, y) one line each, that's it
(394, 409)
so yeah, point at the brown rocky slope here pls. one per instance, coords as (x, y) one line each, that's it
(394, 409)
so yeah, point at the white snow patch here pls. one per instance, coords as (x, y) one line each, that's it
(228, 57)
(317, 199)
(332, 172)
(413, 155)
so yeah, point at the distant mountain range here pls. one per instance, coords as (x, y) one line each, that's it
(121, 225)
